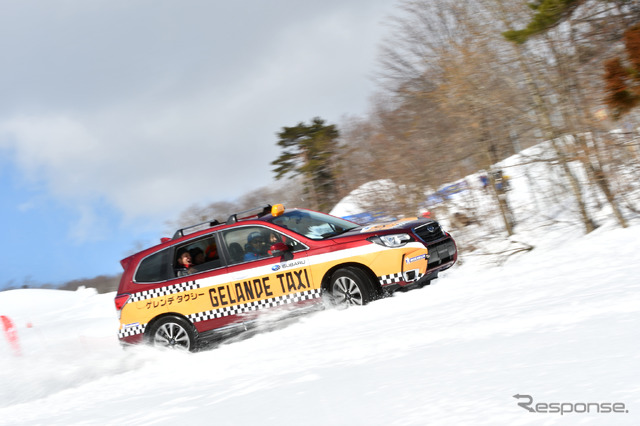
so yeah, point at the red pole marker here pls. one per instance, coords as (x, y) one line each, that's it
(12, 334)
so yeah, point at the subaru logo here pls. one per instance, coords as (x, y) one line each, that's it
(431, 228)
(275, 267)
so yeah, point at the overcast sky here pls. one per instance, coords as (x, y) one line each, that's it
(117, 115)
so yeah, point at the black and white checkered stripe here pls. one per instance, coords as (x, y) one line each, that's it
(233, 310)
(254, 306)
(132, 330)
(395, 278)
(164, 291)
(391, 278)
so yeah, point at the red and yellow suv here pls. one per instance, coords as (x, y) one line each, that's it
(218, 278)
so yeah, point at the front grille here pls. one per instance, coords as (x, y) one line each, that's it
(429, 232)
(441, 253)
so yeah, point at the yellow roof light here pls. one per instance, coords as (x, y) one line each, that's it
(277, 210)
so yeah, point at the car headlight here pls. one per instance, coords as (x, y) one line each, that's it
(391, 240)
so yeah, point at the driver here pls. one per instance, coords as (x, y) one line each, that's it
(256, 246)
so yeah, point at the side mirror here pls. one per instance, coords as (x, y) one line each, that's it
(278, 249)
(281, 249)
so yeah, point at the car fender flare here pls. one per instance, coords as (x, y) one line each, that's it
(326, 279)
(155, 319)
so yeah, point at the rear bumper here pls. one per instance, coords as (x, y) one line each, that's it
(131, 340)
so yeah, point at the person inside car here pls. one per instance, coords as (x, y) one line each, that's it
(184, 263)
(197, 256)
(256, 246)
(275, 238)
(211, 252)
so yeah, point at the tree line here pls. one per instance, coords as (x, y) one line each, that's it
(463, 84)
(102, 283)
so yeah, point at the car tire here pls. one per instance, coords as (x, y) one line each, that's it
(173, 332)
(350, 287)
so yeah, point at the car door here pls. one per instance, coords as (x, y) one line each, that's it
(260, 278)
(207, 270)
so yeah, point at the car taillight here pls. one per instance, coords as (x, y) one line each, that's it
(121, 300)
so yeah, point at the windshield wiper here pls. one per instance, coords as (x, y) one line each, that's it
(336, 233)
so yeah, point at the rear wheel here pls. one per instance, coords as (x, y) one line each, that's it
(173, 333)
(350, 287)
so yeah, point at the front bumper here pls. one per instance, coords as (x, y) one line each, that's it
(442, 254)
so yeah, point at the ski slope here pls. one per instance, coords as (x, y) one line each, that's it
(560, 323)
(558, 326)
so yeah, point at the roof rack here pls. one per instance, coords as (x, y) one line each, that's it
(231, 220)
(180, 232)
(262, 212)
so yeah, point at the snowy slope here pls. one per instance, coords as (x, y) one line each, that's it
(560, 323)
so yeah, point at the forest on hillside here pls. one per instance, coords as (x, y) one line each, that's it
(463, 85)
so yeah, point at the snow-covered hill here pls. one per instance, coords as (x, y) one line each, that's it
(559, 326)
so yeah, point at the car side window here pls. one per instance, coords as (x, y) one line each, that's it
(252, 243)
(154, 268)
(277, 237)
(196, 256)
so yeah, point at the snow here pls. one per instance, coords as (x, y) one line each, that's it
(352, 204)
(560, 323)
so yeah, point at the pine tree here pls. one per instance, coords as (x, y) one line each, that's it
(548, 13)
(310, 151)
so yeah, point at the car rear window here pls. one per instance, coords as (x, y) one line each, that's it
(154, 268)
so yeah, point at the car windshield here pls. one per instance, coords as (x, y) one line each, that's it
(314, 225)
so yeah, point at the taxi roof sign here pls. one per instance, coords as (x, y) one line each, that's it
(277, 210)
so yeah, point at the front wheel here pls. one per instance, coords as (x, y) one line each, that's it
(349, 287)
(173, 333)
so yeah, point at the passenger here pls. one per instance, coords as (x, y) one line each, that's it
(211, 252)
(197, 255)
(256, 246)
(275, 238)
(185, 263)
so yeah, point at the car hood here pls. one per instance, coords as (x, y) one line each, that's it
(396, 225)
